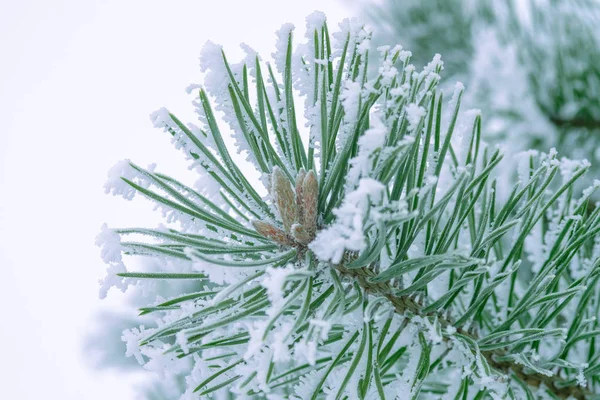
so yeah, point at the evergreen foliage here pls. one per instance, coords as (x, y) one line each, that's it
(372, 258)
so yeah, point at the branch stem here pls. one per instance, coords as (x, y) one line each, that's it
(403, 304)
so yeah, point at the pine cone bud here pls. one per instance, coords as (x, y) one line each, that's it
(300, 234)
(269, 231)
(310, 197)
(299, 202)
(283, 195)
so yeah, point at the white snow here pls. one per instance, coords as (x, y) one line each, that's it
(110, 244)
(372, 140)
(347, 233)
(414, 114)
(281, 46)
(117, 186)
(274, 282)
(112, 280)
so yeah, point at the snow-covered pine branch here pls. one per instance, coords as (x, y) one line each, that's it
(374, 259)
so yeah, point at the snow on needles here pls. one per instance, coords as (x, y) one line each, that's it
(116, 184)
(379, 231)
(110, 244)
(368, 144)
(347, 233)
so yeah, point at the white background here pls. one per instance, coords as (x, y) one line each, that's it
(77, 82)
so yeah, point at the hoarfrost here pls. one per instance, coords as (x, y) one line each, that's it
(347, 232)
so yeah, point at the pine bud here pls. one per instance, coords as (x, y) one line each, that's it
(299, 202)
(310, 197)
(284, 198)
(275, 234)
(300, 234)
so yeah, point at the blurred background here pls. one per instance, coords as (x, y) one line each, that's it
(79, 79)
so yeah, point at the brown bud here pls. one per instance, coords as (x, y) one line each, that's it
(300, 234)
(275, 234)
(284, 198)
(310, 197)
(299, 202)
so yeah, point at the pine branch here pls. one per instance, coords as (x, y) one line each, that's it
(410, 305)
(313, 280)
